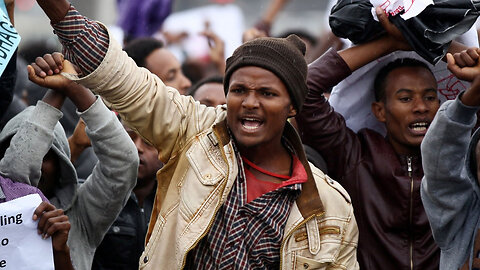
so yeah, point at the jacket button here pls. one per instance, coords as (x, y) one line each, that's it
(305, 266)
(207, 176)
(116, 229)
(145, 259)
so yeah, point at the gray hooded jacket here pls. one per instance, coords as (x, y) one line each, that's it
(93, 206)
(450, 190)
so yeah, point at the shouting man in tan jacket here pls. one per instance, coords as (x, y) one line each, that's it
(240, 193)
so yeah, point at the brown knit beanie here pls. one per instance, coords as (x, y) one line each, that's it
(284, 57)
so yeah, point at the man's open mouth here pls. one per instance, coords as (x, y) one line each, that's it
(251, 123)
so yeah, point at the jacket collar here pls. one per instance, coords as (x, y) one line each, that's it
(309, 202)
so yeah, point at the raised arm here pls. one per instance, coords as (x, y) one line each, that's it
(449, 188)
(33, 139)
(321, 127)
(158, 113)
(85, 42)
(106, 190)
(266, 21)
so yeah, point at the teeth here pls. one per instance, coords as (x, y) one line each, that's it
(250, 123)
(421, 126)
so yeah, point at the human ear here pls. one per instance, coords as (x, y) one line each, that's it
(378, 109)
(292, 112)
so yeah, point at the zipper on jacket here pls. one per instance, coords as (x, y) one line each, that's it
(410, 240)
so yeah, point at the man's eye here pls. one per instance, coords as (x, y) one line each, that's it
(236, 90)
(431, 98)
(268, 94)
(404, 99)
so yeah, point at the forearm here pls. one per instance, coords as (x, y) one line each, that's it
(273, 9)
(444, 150)
(114, 176)
(83, 99)
(321, 127)
(362, 54)
(85, 42)
(54, 99)
(23, 158)
(62, 259)
(54, 9)
(75, 149)
(81, 96)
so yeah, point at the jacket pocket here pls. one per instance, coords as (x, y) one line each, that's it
(307, 263)
(206, 161)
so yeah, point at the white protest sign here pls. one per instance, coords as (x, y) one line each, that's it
(21, 247)
(410, 8)
(9, 38)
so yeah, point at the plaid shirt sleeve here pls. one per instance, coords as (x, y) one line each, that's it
(85, 42)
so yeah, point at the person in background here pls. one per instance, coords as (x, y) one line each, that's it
(34, 150)
(209, 91)
(450, 188)
(125, 240)
(150, 54)
(382, 174)
(52, 222)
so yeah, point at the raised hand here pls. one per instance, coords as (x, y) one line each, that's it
(465, 65)
(46, 71)
(392, 31)
(217, 49)
(79, 141)
(49, 64)
(252, 33)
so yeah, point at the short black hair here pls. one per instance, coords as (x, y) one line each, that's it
(211, 79)
(138, 49)
(380, 81)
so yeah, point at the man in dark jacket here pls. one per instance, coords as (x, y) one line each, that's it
(381, 174)
(125, 240)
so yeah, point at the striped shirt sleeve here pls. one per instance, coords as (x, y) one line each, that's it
(85, 42)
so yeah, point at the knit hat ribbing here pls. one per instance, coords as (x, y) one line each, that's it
(284, 57)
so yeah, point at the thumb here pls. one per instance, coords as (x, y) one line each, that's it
(32, 76)
(451, 64)
(383, 19)
(68, 67)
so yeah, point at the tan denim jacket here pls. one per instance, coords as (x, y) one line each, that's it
(201, 167)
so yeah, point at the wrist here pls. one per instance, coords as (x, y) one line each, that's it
(54, 99)
(81, 96)
(63, 250)
(55, 9)
(469, 99)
